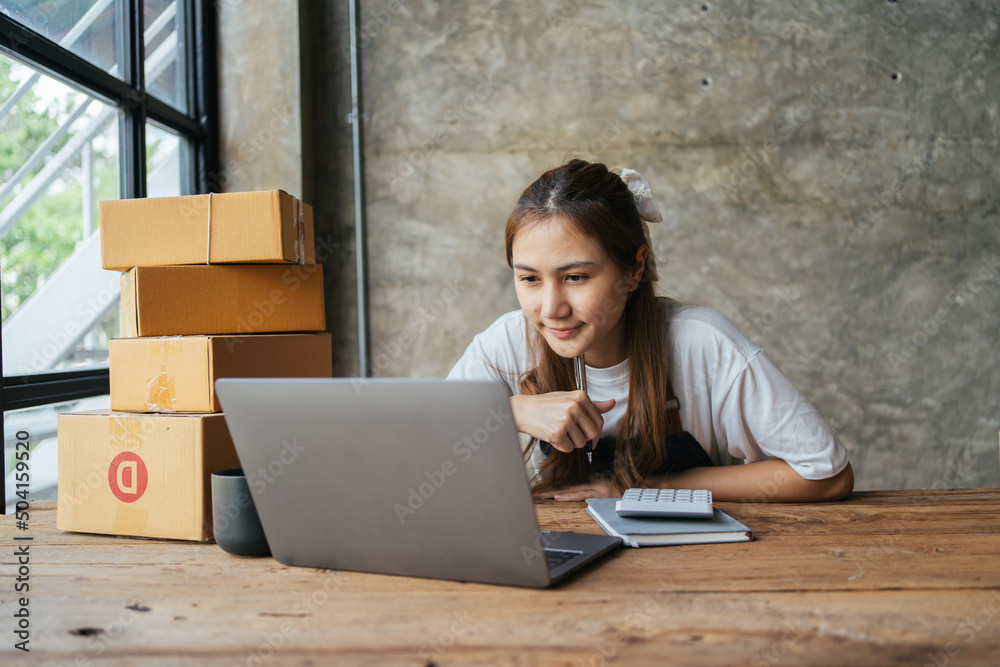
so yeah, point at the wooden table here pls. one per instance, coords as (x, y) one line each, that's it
(903, 577)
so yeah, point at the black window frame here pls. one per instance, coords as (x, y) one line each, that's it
(198, 127)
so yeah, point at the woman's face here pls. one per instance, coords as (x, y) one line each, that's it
(572, 292)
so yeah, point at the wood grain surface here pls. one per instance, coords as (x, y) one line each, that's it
(904, 577)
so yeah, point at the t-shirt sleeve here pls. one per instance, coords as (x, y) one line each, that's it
(474, 364)
(495, 354)
(766, 415)
(740, 405)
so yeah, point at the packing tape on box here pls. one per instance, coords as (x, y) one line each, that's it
(160, 392)
(208, 241)
(125, 431)
(300, 228)
(130, 325)
(300, 224)
(161, 388)
(129, 520)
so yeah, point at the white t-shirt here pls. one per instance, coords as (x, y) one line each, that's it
(733, 399)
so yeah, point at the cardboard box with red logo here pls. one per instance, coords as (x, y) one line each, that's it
(147, 475)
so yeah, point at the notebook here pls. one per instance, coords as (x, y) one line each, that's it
(409, 477)
(660, 532)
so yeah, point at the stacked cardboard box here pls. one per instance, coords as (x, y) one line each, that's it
(212, 286)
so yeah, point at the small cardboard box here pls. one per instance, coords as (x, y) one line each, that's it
(221, 299)
(245, 227)
(178, 373)
(141, 475)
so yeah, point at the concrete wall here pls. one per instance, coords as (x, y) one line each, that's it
(260, 97)
(828, 173)
(282, 104)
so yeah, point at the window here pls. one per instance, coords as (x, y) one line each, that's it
(99, 99)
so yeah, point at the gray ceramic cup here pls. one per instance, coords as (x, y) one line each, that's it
(234, 518)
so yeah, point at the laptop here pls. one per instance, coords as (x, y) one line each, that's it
(421, 478)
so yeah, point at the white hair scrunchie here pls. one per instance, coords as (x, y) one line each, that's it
(648, 210)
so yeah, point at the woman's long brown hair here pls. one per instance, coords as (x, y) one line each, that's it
(601, 206)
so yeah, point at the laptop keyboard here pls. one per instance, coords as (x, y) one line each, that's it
(556, 557)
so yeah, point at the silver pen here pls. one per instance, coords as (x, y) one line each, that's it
(581, 384)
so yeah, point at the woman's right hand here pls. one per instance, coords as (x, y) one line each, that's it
(567, 420)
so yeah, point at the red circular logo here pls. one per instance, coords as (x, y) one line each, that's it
(128, 477)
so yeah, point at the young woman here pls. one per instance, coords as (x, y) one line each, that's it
(674, 392)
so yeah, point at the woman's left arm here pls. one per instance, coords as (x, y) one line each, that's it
(769, 481)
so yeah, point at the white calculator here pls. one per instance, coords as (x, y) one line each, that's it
(666, 504)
